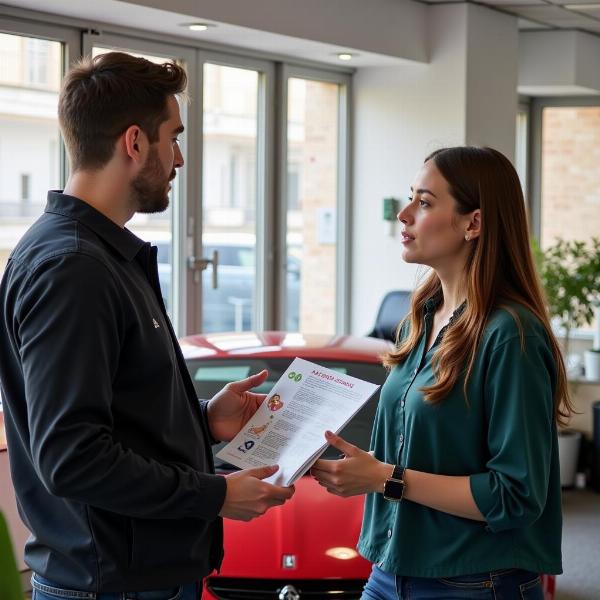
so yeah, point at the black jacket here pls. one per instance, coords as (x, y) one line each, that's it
(109, 447)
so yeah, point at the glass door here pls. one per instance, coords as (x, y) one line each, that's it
(233, 233)
(230, 136)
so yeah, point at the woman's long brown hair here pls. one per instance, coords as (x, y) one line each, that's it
(499, 271)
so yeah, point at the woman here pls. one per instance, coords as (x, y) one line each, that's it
(463, 478)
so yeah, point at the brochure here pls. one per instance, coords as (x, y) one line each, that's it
(289, 426)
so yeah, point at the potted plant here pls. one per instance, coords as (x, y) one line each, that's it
(570, 274)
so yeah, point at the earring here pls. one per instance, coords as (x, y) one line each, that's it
(467, 238)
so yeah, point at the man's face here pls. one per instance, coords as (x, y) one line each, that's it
(150, 189)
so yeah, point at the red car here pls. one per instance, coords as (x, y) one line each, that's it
(305, 548)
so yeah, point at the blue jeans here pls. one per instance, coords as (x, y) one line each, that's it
(47, 590)
(506, 584)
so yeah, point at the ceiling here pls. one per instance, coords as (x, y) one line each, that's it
(583, 15)
(166, 21)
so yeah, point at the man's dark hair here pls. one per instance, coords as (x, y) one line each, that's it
(101, 97)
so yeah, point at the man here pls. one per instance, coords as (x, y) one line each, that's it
(109, 447)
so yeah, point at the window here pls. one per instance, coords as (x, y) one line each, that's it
(567, 180)
(37, 62)
(30, 72)
(570, 190)
(29, 125)
(229, 206)
(312, 174)
(228, 186)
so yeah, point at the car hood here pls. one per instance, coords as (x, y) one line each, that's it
(319, 530)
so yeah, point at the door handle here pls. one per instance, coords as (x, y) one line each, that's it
(197, 265)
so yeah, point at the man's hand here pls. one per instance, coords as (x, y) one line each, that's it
(232, 407)
(248, 497)
(359, 472)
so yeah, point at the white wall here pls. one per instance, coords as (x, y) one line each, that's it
(492, 79)
(586, 62)
(466, 94)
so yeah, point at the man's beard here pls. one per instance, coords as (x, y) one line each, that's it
(149, 189)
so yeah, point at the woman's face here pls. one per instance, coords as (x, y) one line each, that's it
(433, 233)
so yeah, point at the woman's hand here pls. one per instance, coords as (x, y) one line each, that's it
(359, 472)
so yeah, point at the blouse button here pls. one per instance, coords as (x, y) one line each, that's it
(389, 533)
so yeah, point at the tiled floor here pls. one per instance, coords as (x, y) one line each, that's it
(581, 547)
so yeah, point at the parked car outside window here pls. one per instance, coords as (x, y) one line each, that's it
(230, 306)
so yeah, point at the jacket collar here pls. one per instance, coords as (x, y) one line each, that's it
(120, 238)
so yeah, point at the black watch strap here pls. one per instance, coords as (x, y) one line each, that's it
(398, 473)
(393, 488)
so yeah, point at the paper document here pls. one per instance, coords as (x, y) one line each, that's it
(288, 428)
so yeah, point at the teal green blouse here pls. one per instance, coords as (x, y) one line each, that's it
(504, 439)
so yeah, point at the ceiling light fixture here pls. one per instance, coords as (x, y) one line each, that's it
(582, 7)
(198, 26)
(345, 56)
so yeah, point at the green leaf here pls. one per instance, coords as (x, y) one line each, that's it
(570, 274)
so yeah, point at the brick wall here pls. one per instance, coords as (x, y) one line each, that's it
(570, 173)
(319, 185)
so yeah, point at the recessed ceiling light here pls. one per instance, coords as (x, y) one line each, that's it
(198, 26)
(345, 56)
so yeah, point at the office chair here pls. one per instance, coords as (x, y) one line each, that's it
(10, 578)
(394, 306)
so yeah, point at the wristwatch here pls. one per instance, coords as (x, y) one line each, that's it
(393, 488)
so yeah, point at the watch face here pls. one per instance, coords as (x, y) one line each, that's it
(393, 490)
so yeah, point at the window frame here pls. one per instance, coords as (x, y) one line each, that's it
(71, 43)
(265, 199)
(537, 107)
(72, 31)
(535, 165)
(343, 196)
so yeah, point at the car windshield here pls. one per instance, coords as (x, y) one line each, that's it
(209, 376)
